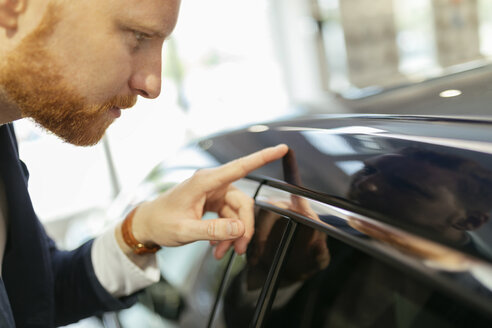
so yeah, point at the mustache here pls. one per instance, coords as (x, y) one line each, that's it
(120, 102)
(117, 101)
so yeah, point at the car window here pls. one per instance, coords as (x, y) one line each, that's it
(326, 283)
(248, 273)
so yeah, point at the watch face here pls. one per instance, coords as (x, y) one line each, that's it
(146, 249)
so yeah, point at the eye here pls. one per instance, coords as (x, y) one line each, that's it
(369, 170)
(140, 36)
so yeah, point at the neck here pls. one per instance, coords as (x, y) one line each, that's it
(8, 111)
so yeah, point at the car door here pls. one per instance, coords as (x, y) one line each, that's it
(342, 269)
(249, 278)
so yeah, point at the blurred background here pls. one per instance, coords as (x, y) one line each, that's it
(232, 63)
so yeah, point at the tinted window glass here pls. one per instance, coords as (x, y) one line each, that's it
(248, 273)
(326, 283)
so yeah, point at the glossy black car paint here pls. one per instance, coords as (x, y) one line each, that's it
(412, 191)
(333, 153)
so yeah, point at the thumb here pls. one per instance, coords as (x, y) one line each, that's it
(217, 229)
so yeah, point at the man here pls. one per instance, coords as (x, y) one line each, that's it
(450, 194)
(72, 66)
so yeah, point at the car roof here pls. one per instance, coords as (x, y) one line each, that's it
(331, 150)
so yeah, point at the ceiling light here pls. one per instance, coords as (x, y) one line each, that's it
(258, 128)
(450, 93)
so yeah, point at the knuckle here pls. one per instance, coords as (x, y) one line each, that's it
(211, 229)
(243, 167)
(200, 174)
(246, 206)
(180, 232)
(239, 164)
(248, 235)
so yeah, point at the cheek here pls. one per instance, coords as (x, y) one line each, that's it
(100, 73)
(97, 67)
(110, 74)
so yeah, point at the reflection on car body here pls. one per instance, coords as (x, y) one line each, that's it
(378, 221)
(446, 194)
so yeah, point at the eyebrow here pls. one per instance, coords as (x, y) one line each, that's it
(150, 30)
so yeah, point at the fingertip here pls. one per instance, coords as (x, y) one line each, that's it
(221, 249)
(241, 245)
(239, 250)
(282, 146)
(217, 255)
(280, 150)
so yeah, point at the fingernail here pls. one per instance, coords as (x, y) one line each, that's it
(232, 228)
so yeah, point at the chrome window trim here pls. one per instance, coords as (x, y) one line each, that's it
(343, 204)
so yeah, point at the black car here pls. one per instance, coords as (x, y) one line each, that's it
(369, 221)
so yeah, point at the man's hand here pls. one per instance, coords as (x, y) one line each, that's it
(175, 217)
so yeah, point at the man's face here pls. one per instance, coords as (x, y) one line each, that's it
(86, 61)
(447, 198)
(409, 190)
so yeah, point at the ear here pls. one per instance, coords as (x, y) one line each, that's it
(10, 11)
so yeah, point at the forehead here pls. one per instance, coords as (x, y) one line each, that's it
(160, 15)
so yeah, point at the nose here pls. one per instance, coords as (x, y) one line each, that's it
(146, 78)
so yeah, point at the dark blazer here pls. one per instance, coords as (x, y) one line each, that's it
(42, 286)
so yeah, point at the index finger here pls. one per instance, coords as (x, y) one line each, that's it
(241, 167)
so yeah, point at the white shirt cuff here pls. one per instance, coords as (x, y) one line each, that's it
(116, 272)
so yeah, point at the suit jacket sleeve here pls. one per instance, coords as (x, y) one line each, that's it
(78, 292)
(45, 286)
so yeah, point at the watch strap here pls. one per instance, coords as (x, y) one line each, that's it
(137, 247)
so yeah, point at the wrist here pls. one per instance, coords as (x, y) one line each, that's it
(133, 233)
(139, 225)
(140, 260)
